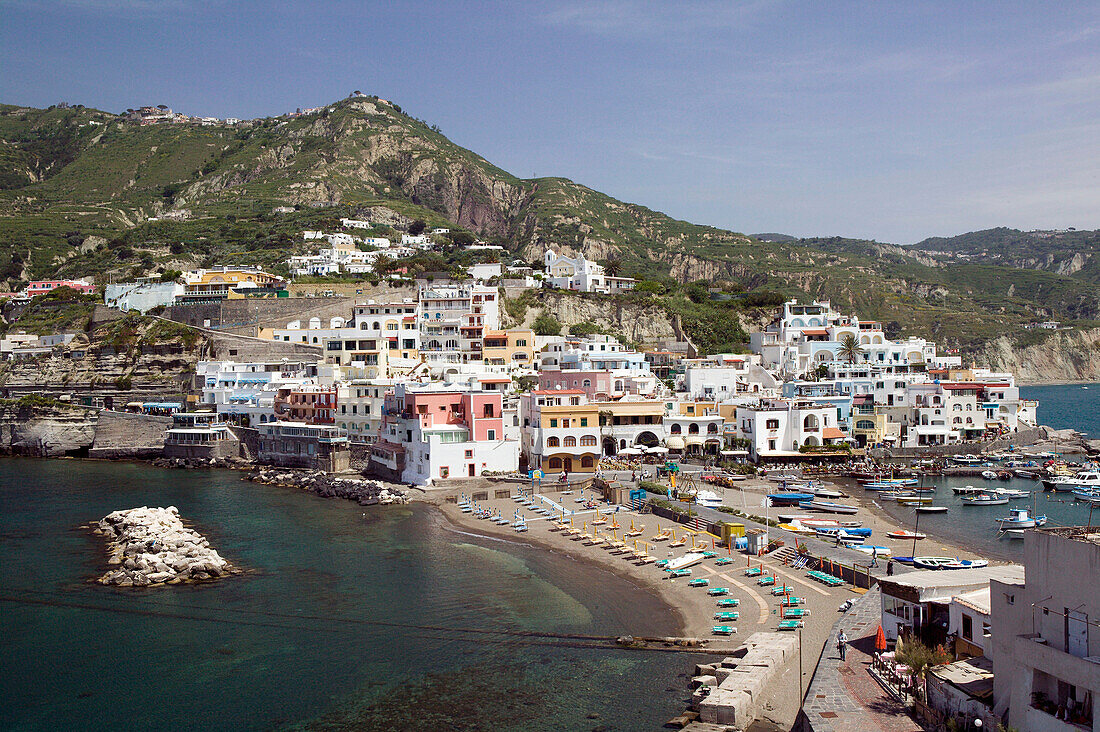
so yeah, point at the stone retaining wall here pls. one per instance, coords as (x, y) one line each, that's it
(127, 435)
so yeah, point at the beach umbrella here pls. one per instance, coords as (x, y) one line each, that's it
(880, 640)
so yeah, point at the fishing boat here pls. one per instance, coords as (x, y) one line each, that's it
(1009, 492)
(848, 531)
(909, 535)
(828, 506)
(688, 560)
(1019, 518)
(966, 564)
(889, 485)
(984, 499)
(820, 523)
(966, 489)
(914, 500)
(930, 509)
(932, 562)
(1087, 495)
(1026, 474)
(789, 499)
(989, 475)
(966, 460)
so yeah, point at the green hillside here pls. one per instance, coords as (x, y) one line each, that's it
(85, 192)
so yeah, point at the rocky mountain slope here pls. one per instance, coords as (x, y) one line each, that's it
(87, 192)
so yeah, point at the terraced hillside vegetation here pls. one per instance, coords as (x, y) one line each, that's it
(87, 192)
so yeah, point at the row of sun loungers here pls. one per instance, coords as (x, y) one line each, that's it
(825, 579)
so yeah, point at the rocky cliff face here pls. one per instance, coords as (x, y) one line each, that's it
(1063, 356)
(46, 431)
(633, 323)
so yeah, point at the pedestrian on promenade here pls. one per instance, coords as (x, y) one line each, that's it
(842, 645)
(889, 567)
(874, 556)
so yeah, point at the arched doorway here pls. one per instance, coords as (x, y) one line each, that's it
(647, 438)
(609, 446)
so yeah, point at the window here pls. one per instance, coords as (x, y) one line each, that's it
(584, 421)
(491, 434)
(469, 454)
(552, 442)
(675, 429)
(586, 461)
(588, 440)
(967, 627)
(553, 423)
(555, 463)
(772, 424)
(570, 441)
(444, 472)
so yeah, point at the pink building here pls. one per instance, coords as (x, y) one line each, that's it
(438, 433)
(41, 287)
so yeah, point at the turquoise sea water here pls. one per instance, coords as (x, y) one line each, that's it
(347, 618)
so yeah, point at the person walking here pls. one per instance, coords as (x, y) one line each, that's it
(874, 556)
(842, 645)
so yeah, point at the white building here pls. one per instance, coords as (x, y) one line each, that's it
(355, 224)
(246, 392)
(569, 273)
(485, 271)
(726, 376)
(1046, 634)
(454, 320)
(778, 428)
(143, 294)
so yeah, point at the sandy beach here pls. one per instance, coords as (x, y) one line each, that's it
(691, 607)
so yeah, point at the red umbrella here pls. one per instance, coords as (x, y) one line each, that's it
(880, 640)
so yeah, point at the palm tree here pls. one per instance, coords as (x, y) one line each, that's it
(849, 348)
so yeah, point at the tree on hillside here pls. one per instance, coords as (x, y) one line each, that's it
(849, 348)
(416, 228)
(612, 266)
(546, 325)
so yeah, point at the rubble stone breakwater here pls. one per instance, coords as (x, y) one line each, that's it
(364, 492)
(153, 547)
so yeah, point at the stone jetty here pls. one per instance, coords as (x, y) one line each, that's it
(363, 491)
(153, 547)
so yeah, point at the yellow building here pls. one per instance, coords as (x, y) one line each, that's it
(230, 283)
(560, 433)
(870, 426)
(504, 347)
(630, 424)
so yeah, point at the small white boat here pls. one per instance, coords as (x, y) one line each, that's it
(828, 493)
(932, 562)
(966, 564)
(828, 506)
(708, 499)
(882, 551)
(908, 535)
(688, 560)
(930, 509)
(1016, 534)
(989, 475)
(984, 499)
(1010, 492)
(964, 490)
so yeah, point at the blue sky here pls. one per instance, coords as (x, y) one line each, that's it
(886, 120)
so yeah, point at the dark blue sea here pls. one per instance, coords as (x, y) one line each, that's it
(1068, 406)
(379, 618)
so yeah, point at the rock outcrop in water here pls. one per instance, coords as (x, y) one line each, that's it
(153, 547)
(365, 492)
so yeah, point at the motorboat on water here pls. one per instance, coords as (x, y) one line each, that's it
(1019, 518)
(984, 499)
(828, 506)
(966, 460)
(989, 474)
(930, 509)
(1069, 483)
(1016, 534)
(1089, 495)
(914, 500)
(963, 490)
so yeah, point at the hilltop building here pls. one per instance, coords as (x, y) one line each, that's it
(578, 273)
